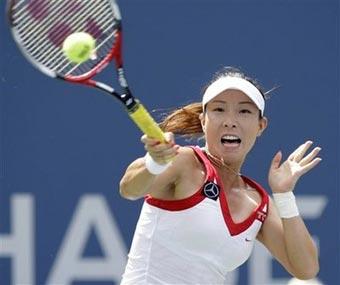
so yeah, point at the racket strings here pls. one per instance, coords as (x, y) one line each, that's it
(38, 29)
(42, 25)
(78, 26)
(58, 30)
(40, 46)
(83, 68)
(107, 25)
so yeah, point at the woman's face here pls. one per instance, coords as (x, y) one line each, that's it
(231, 124)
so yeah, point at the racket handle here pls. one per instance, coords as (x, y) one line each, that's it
(146, 123)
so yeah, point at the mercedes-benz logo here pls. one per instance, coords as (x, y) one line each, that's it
(211, 190)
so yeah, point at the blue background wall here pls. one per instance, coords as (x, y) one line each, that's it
(60, 142)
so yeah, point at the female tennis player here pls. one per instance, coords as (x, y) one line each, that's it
(201, 216)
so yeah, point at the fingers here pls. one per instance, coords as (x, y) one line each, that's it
(161, 152)
(308, 158)
(169, 138)
(310, 165)
(276, 160)
(307, 162)
(300, 151)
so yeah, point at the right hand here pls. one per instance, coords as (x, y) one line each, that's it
(283, 176)
(161, 152)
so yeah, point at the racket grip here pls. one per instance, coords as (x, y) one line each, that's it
(146, 123)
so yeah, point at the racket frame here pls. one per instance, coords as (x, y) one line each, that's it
(135, 109)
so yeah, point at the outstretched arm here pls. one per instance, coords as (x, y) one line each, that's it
(284, 232)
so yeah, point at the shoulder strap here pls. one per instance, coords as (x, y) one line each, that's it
(211, 172)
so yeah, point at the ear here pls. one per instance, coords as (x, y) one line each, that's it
(263, 123)
(202, 119)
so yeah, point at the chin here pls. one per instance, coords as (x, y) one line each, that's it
(233, 157)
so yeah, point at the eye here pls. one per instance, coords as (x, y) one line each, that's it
(245, 111)
(218, 109)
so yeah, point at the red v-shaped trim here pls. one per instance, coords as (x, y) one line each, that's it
(258, 213)
(211, 175)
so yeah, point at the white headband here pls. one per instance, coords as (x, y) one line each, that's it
(238, 83)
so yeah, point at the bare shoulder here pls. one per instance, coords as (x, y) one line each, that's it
(183, 177)
(192, 173)
(186, 159)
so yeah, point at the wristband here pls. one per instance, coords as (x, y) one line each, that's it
(153, 167)
(286, 204)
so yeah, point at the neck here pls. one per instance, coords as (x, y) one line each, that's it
(230, 173)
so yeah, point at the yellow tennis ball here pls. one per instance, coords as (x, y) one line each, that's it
(78, 47)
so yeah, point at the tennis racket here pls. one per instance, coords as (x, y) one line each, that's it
(40, 27)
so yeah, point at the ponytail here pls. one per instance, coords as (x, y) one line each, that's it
(184, 121)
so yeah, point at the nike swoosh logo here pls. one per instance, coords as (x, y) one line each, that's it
(247, 239)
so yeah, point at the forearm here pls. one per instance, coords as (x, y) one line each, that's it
(300, 248)
(136, 181)
(298, 253)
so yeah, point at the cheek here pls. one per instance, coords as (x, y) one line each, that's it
(210, 130)
(252, 132)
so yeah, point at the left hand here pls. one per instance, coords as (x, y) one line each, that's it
(282, 178)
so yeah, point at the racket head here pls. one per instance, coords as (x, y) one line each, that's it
(40, 27)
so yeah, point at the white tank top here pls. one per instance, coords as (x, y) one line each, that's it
(193, 240)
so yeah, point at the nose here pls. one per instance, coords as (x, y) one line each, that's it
(230, 125)
(229, 122)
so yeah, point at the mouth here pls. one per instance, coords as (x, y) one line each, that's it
(230, 140)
